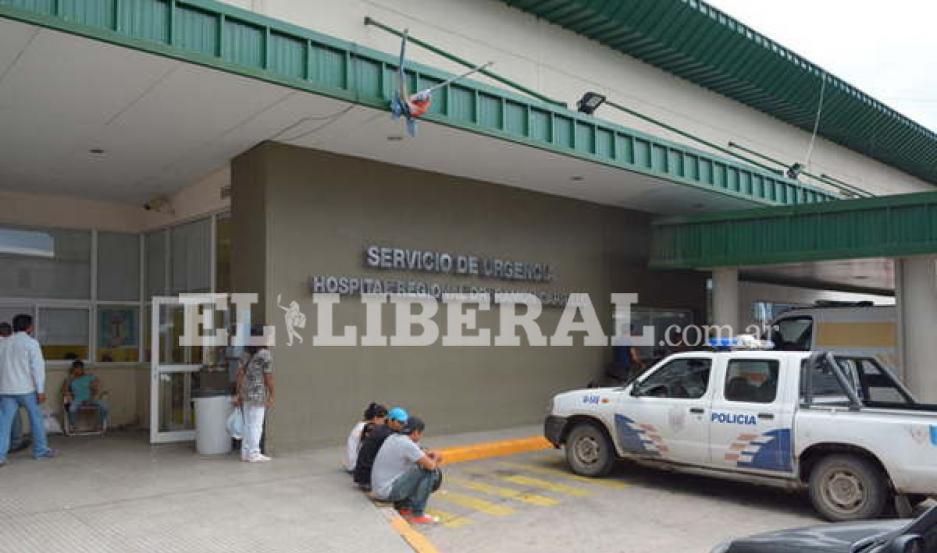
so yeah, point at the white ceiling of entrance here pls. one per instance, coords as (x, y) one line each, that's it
(84, 118)
(872, 273)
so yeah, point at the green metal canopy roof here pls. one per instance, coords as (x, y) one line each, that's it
(693, 40)
(221, 36)
(885, 226)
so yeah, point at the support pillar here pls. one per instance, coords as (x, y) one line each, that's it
(916, 298)
(726, 299)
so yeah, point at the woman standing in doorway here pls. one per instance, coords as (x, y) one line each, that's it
(255, 395)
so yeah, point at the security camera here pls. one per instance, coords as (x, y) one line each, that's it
(160, 205)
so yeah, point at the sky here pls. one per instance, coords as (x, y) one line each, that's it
(887, 49)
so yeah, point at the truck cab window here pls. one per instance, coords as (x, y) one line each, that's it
(681, 378)
(752, 380)
(793, 334)
(874, 385)
(826, 388)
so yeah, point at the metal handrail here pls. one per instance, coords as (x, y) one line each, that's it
(685, 134)
(826, 179)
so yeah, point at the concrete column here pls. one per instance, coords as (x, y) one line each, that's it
(916, 298)
(726, 299)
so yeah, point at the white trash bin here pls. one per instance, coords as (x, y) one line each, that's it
(212, 409)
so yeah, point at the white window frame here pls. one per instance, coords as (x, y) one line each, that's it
(92, 303)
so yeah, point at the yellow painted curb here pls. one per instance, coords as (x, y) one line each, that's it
(417, 541)
(487, 450)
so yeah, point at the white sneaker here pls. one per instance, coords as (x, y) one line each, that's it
(259, 458)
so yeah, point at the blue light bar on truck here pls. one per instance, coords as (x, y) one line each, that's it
(744, 341)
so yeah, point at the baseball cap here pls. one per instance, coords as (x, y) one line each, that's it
(398, 414)
(414, 424)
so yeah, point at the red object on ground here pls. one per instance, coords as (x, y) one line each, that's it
(424, 519)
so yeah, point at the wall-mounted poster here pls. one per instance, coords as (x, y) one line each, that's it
(117, 334)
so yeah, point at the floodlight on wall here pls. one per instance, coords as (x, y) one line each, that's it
(590, 102)
(794, 171)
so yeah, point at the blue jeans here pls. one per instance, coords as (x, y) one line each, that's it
(16, 433)
(411, 489)
(75, 405)
(9, 405)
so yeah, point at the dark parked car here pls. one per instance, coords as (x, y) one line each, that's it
(874, 536)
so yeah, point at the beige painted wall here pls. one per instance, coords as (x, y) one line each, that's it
(127, 387)
(321, 212)
(563, 65)
(750, 292)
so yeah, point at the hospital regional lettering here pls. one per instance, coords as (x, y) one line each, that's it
(381, 257)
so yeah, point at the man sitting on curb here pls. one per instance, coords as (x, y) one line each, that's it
(395, 421)
(407, 475)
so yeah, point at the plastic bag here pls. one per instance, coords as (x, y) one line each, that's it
(49, 422)
(235, 424)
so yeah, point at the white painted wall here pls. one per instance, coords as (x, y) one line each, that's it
(751, 292)
(563, 65)
(42, 210)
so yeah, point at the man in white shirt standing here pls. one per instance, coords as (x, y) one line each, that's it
(406, 474)
(16, 435)
(22, 384)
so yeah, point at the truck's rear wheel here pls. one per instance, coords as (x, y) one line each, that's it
(848, 487)
(588, 451)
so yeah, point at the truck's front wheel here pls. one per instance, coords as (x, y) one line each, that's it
(588, 451)
(848, 487)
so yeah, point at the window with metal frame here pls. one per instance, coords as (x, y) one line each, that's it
(751, 380)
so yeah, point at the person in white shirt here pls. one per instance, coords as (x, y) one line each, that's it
(16, 434)
(22, 384)
(406, 474)
(373, 415)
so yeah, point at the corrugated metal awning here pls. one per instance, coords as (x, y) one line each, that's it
(693, 40)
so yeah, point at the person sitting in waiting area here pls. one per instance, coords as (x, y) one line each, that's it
(374, 416)
(396, 420)
(406, 474)
(82, 389)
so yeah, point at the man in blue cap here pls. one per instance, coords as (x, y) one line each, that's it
(396, 421)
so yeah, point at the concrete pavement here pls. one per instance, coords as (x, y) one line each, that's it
(531, 503)
(119, 494)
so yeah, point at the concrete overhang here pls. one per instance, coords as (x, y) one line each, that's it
(124, 101)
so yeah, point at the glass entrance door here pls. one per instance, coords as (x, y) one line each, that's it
(173, 372)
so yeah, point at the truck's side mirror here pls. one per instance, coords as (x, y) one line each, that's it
(908, 543)
(636, 389)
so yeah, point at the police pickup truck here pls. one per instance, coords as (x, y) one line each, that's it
(842, 427)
